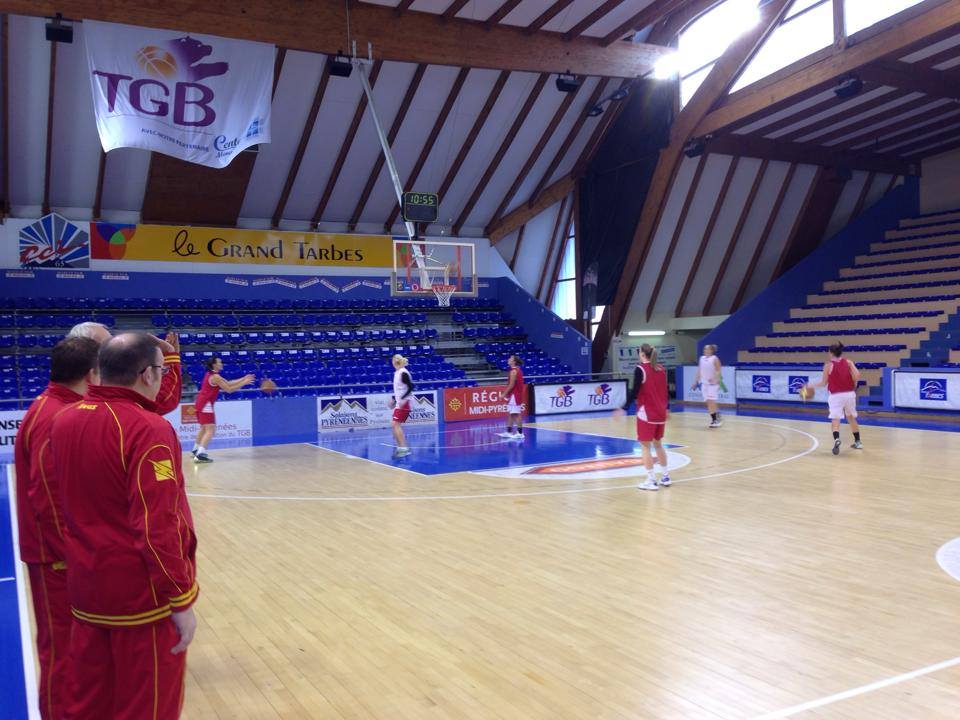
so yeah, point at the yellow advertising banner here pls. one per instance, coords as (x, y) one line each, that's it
(172, 243)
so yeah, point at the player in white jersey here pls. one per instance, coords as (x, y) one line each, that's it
(400, 402)
(708, 380)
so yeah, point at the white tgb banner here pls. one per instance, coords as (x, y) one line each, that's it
(200, 98)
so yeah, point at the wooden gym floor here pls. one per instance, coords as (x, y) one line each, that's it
(773, 581)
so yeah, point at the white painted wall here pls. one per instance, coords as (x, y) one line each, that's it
(940, 183)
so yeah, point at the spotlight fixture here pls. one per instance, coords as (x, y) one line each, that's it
(339, 65)
(849, 87)
(616, 96)
(695, 147)
(57, 31)
(567, 82)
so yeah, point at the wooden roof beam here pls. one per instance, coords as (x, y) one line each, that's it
(500, 13)
(501, 151)
(471, 138)
(345, 148)
(408, 37)
(455, 7)
(557, 229)
(590, 20)
(547, 15)
(302, 147)
(391, 137)
(48, 160)
(653, 13)
(535, 153)
(5, 121)
(523, 214)
(810, 153)
(897, 39)
(430, 142)
(907, 76)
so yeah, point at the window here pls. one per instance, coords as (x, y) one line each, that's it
(808, 27)
(706, 39)
(861, 14)
(564, 299)
(595, 320)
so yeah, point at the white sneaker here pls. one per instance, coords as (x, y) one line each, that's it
(665, 481)
(648, 485)
(719, 422)
(508, 435)
(401, 452)
(517, 436)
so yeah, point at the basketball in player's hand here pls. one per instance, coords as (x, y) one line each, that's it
(268, 386)
(806, 392)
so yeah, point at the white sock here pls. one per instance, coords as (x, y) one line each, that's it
(201, 450)
(663, 469)
(651, 477)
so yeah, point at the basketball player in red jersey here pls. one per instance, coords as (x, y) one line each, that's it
(73, 368)
(841, 376)
(650, 389)
(514, 397)
(209, 391)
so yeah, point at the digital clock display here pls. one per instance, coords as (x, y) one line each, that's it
(420, 207)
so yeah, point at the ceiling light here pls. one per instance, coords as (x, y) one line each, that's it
(667, 67)
(567, 83)
(647, 333)
(849, 87)
(595, 111)
(339, 65)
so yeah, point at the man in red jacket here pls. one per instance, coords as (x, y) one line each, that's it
(73, 367)
(130, 542)
(168, 398)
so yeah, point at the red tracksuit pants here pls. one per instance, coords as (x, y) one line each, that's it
(51, 610)
(125, 673)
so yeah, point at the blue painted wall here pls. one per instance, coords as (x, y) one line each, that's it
(807, 277)
(544, 328)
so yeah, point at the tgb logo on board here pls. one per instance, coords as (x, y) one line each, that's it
(563, 398)
(796, 382)
(761, 384)
(197, 97)
(933, 389)
(600, 397)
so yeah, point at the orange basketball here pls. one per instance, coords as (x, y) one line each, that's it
(156, 62)
(806, 392)
(268, 386)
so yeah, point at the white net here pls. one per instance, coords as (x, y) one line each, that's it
(443, 293)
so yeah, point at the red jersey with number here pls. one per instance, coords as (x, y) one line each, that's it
(39, 506)
(130, 543)
(207, 394)
(652, 398)
(840, 376)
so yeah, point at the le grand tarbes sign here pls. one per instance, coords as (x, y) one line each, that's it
(171, 243)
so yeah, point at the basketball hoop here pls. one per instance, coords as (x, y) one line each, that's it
(443, 293)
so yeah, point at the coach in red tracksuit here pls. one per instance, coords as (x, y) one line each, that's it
(130, 543)
(73, 366)
(169, 396)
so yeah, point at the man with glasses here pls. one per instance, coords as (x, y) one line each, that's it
(169, 396)
(130, 543)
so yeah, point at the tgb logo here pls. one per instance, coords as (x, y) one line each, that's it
(761, 384)
(796, 382)
(173, 69)
(563, 397)
(600, 397)
(933, 389)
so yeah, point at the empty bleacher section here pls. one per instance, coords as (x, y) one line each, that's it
(308, 347)
(896, 305)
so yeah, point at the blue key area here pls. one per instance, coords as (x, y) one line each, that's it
(13, 699)
(474, 447)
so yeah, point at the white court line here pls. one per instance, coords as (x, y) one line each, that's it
(355, 457)
(862, 690)
(573, 491)
(26, 640)
(9, 579)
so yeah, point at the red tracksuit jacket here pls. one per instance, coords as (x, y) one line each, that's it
(172, 386)
(130, 542)
(39, 507)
